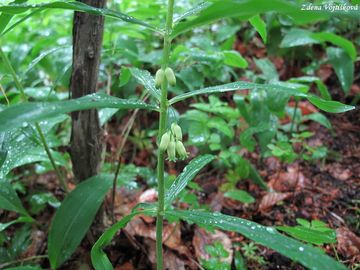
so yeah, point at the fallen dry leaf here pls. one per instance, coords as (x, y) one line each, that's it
(203, 238)
(348, 243)
(288, 181)
(339, 172)
(171, 261)
(272, 198)
(171, 234)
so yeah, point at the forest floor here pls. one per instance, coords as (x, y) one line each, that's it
(326, 190)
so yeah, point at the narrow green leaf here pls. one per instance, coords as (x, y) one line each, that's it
(25, 219)
(260, 26)
(240, 85)
(239, 195)
(191, 12)
(343, 65)
(248, 8)
(6, 18)
(9, 199)
(17, 115)
(329, 105)
(256, 177)
(309, 235)
(98, 257)
(282, 88)
(320, 118)
(76, 6)
(310, 257)
(74, 217)
(234, 59)
(11, 27)
(189, 172)
(144, 77)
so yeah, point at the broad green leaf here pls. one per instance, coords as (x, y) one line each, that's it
(234, 59)
(76, 6)
(248, 8)
(17, 115)
(290, 89)
(298, 37)
(307, 255)
(267, 68)
(74, 217)
(329, 105)
(98, 257)
(260, 26)
(339, 41)
(3, 150)
(221, 125)
(25, 219)
(239, 195)
(343, 65)
(9, 199)
(23, 145)
(188, 174)
(144, 77)
(310, 235)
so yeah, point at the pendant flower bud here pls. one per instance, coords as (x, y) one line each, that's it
(176, 130)
(180, 149)
(159, 78)
(170, 76)
(171, 151)
(164, 142)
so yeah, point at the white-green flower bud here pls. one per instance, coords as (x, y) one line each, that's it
(171, 151)
(159, 77)
(176, 130)
(164, 142)
(180, 149)
(170, 76)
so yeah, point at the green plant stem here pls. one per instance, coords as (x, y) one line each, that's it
(162, 129)
(33, 258)
(20, 87)
(294, 116)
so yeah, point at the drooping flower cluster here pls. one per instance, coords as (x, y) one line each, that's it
(161, 75)
(171, 141)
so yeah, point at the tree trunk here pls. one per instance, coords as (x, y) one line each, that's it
(86, 135)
